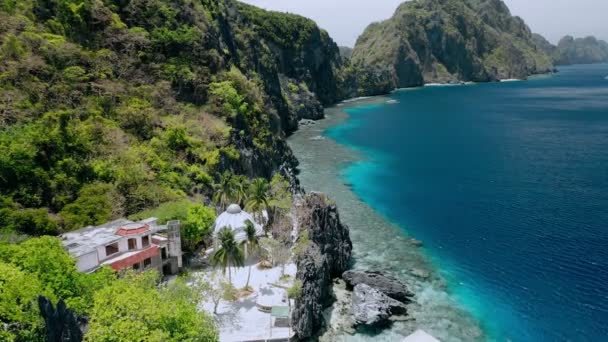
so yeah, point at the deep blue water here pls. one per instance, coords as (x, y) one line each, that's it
(507, 185)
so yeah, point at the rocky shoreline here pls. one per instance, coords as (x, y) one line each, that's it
(369, 299)
(326, 254)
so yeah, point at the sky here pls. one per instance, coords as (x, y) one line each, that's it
(345, 20)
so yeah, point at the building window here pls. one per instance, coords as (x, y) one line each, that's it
(112, 249)
(145, 241)
(136, 267)
(132, 244)
(147, 263)
(163, 253)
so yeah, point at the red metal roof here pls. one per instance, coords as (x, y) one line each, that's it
(132, 229)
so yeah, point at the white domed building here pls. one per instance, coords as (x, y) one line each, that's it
(235, 218)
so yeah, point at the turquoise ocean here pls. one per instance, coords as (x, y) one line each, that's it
(506, 185)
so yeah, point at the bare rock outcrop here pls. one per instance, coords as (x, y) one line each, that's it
(388, 285)
(326, 256)
(373, 308)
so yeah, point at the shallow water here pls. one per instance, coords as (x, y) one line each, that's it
(507, 186)
(378, 244)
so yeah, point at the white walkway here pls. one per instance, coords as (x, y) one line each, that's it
(241, 320)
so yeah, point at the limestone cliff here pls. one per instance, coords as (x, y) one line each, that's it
(444, 41)
(572, 50)
(326, 255)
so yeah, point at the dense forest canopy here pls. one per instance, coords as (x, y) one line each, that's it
(111, 107)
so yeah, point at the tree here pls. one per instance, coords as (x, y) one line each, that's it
(280, 196)
(251, 245)
(280, 200)
(240, 187)
(224, 190)
(229, 253)
(93, 207)
(213, 287)
(18, 311)
(196, 220)
(46, 259)
(278, 252)
(134, 309)
(197, 224)
(258, 198)
(47, 262)
(33, 221)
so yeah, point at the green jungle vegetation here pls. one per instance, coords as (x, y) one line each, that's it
(113, 108)
(132, 308)
(109, 108)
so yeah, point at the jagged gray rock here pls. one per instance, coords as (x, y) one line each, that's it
(61, 323)
(327, 231)
(388, 285)
(327, 255)
(370, 306)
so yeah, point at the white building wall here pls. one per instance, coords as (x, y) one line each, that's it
(101, 253)
(123, 245)
(87, 261)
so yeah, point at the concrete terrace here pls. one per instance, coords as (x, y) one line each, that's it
(242, 320)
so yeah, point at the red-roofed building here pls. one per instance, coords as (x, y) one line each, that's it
(124, 244)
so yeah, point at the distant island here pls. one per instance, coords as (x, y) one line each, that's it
(572, 50)
(431, 41)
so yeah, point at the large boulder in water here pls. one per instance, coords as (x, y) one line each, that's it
(372, 307)
(388, 285)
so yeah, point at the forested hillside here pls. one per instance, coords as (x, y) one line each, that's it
(134, 108)
(111, 107)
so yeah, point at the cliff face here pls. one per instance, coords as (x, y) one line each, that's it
(587, 50)
(281, 46)
(572, 50)
(326, 256)
(543, 44)
(450, 40)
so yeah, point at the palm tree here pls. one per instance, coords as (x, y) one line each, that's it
(224, 190)
(252, 244)
(258, 198)
(229, 253)
(240, 187)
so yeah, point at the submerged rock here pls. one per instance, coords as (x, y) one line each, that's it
(420, 273)
(388, 285)
(416, 243)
